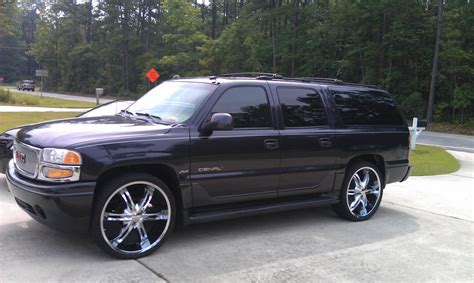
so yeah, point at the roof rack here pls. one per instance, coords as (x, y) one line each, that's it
(270, 76)
(257, 75)
(316, 79)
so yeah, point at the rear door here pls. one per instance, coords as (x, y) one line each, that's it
(306, 141)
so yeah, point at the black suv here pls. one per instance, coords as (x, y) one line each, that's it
(205, 149)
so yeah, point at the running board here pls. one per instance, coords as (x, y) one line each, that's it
(256, 209)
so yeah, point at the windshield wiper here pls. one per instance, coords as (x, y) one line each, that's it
(132, 115)
(127, 112)
(154, 118)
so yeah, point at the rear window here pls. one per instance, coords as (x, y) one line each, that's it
(367, 108)
(301, 107)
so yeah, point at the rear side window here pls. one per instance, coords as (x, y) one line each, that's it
(301, 107)
(248, 106)
(367, 108)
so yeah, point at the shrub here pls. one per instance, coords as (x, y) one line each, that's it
(18, 99)
(5, 96)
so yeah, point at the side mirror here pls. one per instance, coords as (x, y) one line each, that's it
(219, 122)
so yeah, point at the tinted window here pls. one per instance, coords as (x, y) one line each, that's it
(301, 107)
(248, 106)
(367, 108)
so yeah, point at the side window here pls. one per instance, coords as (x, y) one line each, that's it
(248, 106)
(301, 107)
(367, 108)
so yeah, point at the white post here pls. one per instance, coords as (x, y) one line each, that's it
(41, 95)
(414, 133)
(98, 92)
(414, 136)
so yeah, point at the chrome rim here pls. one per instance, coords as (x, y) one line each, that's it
(363, 191)
(135, 217)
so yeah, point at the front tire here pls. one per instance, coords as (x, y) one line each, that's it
(361, 192)
(133, 216)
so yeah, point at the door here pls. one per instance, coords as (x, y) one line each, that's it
(306, 142)
(240, 164)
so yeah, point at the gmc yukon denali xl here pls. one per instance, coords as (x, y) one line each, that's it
(205, 149)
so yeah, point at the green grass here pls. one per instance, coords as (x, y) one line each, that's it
(10, 120)
(23, 99)
(432, 160)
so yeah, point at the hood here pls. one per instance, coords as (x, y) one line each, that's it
(11, 133)
(75, 132)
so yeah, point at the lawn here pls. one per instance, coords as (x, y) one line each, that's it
(24, 99)
(10, 120)
(432, 160)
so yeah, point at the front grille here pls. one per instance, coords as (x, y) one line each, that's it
(26, 159)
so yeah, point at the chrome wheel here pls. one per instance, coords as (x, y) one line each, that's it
(363, 192)
(135, 217)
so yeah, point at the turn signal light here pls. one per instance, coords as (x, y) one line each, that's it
(72, 158)
(55, 173)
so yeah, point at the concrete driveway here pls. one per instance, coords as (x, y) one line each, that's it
(423, 232)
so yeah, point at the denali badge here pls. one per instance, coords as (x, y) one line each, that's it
(20, 157)
(210, 169)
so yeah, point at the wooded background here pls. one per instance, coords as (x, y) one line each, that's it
(112, 43)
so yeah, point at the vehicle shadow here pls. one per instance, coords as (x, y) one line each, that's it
(198, 251)
(205, 250)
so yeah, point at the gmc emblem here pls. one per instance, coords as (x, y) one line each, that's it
(20, 157)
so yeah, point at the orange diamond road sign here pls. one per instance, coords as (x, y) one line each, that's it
(152, 75)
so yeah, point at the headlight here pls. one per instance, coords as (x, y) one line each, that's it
(61, 156)
(59, 165)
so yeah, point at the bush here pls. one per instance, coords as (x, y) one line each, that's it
(7, 98)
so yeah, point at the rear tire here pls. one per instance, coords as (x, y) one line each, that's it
(133, 216)
(361, 192)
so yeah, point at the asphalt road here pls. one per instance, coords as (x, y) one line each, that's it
(62, 96)
(423, 232)
(449, 141)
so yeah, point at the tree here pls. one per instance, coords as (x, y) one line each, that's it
(381, 42)
(11, 47)
(429, 115)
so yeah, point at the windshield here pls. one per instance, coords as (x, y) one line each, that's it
(173, 102)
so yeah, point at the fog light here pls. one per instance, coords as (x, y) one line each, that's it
(55, 173)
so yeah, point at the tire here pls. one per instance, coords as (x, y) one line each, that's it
(133, 215)
(360, 198)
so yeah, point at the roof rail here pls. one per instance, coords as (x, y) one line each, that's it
(270, 76)
(253, 75)
(316, 79)
(355, 84)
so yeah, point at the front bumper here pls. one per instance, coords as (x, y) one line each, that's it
(66, 207)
